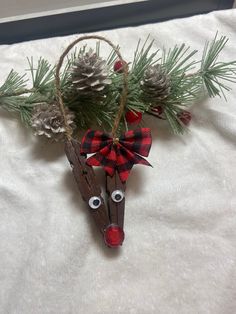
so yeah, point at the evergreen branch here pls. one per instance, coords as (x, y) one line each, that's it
(178, 63)
(177, 60)
(95, 115)
(185, 89)
(173, 120)
(142, 59)
(139, 52)
(136, 54)
(66, 74)
(25, 115)
(214, 72)
(43, 75)
(14, 83)
(112, 57)
(18, 93)
(17, 105)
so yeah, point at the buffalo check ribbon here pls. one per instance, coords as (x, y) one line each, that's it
(117, 154)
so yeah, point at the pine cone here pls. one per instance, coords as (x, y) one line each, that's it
(156, 83)
(47, 120)
(90, 74)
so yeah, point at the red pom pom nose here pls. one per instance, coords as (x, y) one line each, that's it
(114, 236)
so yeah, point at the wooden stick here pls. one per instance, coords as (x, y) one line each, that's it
(116, 209)
(86, 181)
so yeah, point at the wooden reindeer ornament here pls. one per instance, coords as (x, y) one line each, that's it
(116, 154)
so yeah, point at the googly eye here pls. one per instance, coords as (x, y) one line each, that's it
(94, 202)
(117, 196)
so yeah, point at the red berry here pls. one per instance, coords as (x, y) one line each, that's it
(114, 236)
(133, 117)
(185, 117)
(118, 66)
(158, 110)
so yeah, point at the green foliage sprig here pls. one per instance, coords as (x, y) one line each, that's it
(187, 81)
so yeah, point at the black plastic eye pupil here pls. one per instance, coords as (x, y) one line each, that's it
(96, 202)
(117, 197)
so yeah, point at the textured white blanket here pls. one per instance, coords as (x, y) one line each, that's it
(179, 254)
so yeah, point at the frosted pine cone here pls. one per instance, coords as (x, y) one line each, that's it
(47, 120)
(156, 83)
(90, 74)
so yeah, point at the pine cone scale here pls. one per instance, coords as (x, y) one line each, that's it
(156, 83)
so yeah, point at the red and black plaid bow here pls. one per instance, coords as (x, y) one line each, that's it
(118, 154)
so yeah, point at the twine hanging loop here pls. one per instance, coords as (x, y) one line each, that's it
(123, 97)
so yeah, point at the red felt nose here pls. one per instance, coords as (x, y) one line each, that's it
(114, 236)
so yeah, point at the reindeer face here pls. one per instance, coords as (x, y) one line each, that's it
(108, 217)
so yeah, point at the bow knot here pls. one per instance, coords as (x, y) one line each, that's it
(117, 154)
(115, 140)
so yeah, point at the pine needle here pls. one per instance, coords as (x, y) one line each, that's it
(178, 62)
(13, 83)
(43, 75)
(214, 73)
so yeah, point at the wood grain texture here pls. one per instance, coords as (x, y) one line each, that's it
(116, 210)
(86, 181)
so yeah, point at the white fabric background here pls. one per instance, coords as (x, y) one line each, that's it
(179, 253)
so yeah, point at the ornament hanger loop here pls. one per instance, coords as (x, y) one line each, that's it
(123, 93)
